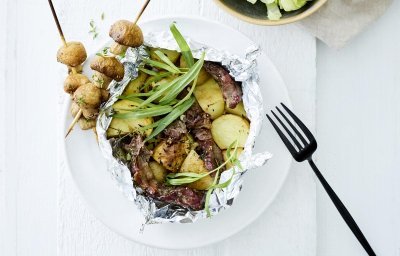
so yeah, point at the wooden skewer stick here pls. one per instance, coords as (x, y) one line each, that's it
(71, 126)
(60, 31)
(141, 11)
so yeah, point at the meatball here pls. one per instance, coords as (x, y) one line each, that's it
(126, 33)
(109, 66)
(72, 54)
(87, 96)
(101, 80)
(74, 109)
(86, 124)
(73, 81)
(90, 113)
(118, 49)
(105, 95)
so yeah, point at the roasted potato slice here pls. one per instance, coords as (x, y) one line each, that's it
(173, 56)
(226, 129)
(203, 75)
(193, 163)
(120, 127)
(229, 164)
(171, 156)
(210, 98)
(238, 110)
(159, 171)
(135, 84)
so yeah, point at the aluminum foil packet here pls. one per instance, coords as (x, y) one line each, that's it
(242, 70)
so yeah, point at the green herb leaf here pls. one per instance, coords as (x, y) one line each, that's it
(167, 61)
(143, 113)
(161, 89)
(149, 72)
(184, 81)
(189, 94)
(182, 178)
(150, 126)
(183, 45)
(161, 65)
(167, 120)
(155, 79)
(208, 195)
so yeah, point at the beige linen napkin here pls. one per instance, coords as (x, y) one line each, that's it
(338, 21)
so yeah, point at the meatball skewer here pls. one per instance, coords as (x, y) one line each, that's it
(72, 54)
(125, 34)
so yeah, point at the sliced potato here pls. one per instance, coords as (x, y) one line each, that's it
(120, 127)
(159, 171)
(173, 56)
(193, 163)
(238, 110)
(226, 129)
(171, 156)
(135, 84)
(210, 98)
(203, 75)
(224, 153)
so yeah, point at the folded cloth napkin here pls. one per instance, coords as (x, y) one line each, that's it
(338, 21)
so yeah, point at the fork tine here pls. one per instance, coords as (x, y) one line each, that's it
(293, 127)
(288, 131)
(289, 146)
(299, 123)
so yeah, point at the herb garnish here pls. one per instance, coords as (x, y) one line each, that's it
(93, 29)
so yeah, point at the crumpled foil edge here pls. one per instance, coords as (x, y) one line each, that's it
(243, 70)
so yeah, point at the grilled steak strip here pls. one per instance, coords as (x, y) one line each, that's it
(140, 169)
(231, 90)
(199, 123)
(182, 196)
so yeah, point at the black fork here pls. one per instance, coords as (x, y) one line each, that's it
(302, 149)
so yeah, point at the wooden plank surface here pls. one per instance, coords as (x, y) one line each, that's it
(359, 138)
(45, 215)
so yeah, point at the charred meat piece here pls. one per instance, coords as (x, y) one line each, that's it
(183, 196)
(175, 131)
(199, 123)
(140, 169)
(231, 90)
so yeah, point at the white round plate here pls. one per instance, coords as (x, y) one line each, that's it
(260, 187)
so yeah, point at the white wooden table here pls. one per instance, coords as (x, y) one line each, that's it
(358, 130)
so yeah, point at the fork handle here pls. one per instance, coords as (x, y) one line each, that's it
(343, 211)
